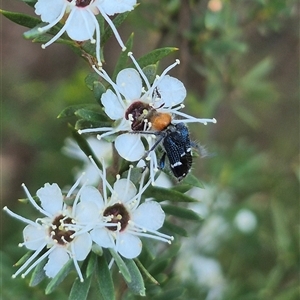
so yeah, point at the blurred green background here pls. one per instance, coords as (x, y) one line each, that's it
(240, 64)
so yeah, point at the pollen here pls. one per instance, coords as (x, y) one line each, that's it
(161, 121)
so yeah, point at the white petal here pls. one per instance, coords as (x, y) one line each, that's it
(91, 194)
(87, 213)
(130, 84)
(172, 91)
(112, 7)
(82, 246)
(82, 26)
(57, 259)
(49, 10)
(102, 237)
(149, 215)
(112, 106)
(51, 198)
(124, 189)
(35, 236)
(130, 146)
(128, 245)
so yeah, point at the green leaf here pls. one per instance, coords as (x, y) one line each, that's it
(175, 229)
(62, 274)
(21, 19)
(121, 265)
(122, 61)
(150, 72)
(181, 212)
(136, 285)
(91, 264)
(193, 181)
(163, 194)
(90, 79)
(71, 110)
(35, 33)
(154, 56)
(145, 271)
(92, 115)
(30, 2)
(98, 90)
(104, 280)
(80, 289)
(23, 259)
(38, 274)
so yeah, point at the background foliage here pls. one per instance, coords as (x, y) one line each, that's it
(239, 62)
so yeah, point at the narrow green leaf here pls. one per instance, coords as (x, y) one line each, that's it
(145, 271)
(104, 280)
(35, 33)
(23, 259)
(154, 56)
(123, 59)
(181, 212)
(98, 90)
(193, 181)
(38, 274)
(21, 19)
(136, 285)
(121, 265)
(91, 264)
(62, 274)
(71, 110)
(163, 194)
(80, 289)
(92, 115)
(90, 79)
(175, 229)
(150, 72)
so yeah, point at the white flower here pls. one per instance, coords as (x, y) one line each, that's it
(245, 220)
(80, 15)
(101, 150)
(136, 108)
(63, 232)
(121, 220)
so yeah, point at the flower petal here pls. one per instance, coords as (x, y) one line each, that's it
(57, 258)
(112, 7)
(91, 194)
(51, 198)
(130, 146)
(102, 237)
(82, 246)
(149, 215)
(128, 245)
(124, 190)
(171, 90)
(81, 26)
(35, 236)
(112, 106)
(49, 10)
(129, 83)
(87, 213)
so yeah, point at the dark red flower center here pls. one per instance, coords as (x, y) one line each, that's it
(59, 230)
(118, 215)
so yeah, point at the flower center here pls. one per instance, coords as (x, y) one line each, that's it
(116, 214)
(60, 231)
(82, 3)
(140, 113)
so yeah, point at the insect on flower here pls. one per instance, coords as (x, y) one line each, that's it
(174, 138)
